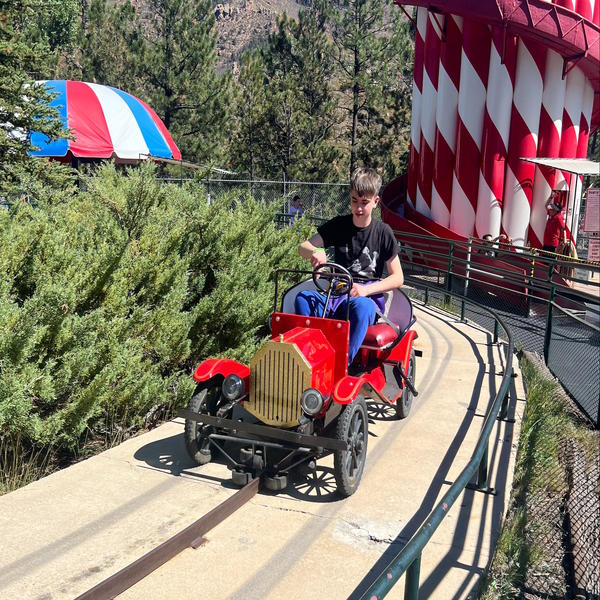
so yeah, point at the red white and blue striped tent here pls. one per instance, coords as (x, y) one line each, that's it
(105, 122)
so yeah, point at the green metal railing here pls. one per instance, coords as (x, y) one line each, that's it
(408, 560)
(518, 281)
(532, 279)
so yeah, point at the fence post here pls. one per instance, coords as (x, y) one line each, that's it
(449, 273)
(411, 586)
(548, 332)
(482, 475)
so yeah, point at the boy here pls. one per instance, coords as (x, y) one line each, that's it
(364, 246)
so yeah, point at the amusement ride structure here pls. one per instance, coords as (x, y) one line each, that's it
(496, 82)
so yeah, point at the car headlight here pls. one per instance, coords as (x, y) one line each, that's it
(311, 402)
(233, 387)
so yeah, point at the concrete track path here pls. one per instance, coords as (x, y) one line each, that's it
(65, 533)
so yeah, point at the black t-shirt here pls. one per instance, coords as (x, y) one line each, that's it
(363, 251)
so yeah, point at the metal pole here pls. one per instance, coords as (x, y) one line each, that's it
(411, 587)
(548, 332)
(468, 266)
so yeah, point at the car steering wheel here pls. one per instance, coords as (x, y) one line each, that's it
(332, 279)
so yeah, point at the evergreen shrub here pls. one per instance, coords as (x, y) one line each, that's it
(110, 296)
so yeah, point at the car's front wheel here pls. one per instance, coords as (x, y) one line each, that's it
(204, 401)
(348, 465)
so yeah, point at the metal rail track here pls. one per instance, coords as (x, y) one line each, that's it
(190, 537)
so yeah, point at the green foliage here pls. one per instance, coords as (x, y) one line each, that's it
(373, 53)
(539, 475)
(176, 64)
(108, 37)
(24, 104)
(109, 297)
(301, 113)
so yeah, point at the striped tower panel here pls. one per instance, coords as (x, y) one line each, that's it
(496, 127)
(596, 17)
(474, 65)
(428, 109)
(523, 138)
(446, 119)
(553, 99)
(570, 4)
(582, 144)
(585, 8)
(415, 124)
(570, 134)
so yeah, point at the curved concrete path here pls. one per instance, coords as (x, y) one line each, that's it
(69, 531)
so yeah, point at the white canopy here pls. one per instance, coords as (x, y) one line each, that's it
(580, 166)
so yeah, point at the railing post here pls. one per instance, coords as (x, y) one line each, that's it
(411, 585)
(548, 332)
(426, 296)
(449, 273)
(495, 331)
(482, 475)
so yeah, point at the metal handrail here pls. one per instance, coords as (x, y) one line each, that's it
(409, 558)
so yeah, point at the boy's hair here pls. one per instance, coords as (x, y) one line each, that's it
(366, 182)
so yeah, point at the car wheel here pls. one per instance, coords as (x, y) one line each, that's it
(204, 401)
(348, 465)
(404, 403)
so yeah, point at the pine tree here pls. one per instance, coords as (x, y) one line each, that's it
(24, 105)
(250, 115)
(176, 62)
(108, 39)
(301, 111)
(372, 49)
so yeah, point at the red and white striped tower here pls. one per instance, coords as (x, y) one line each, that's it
(585, 8)
(496, 127)
(523, 138)
(569, 139)
(474, 65)
(433, 42)
(415, 124)
(596, 17)
(582, 144)
(446, 117)
(553, 99)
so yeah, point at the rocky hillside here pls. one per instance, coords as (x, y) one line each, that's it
(245, 24)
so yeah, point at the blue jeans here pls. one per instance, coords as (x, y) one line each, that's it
(362, 314)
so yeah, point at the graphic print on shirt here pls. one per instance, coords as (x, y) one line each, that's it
(365, 264)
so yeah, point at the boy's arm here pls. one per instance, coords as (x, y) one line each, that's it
(312, 249)
(395, 279)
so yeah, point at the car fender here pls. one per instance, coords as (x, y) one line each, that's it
(401, 353)
(213, 367)
(348, 388)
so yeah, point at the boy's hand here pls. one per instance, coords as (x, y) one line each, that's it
(358, 291)
(318, 258)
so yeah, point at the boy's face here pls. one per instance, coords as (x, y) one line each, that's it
(362, 206)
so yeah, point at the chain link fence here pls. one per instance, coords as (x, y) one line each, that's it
(318, 200)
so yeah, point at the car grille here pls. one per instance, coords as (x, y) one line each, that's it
(279, 374)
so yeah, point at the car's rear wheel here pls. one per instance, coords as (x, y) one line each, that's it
(204, 401)
(348, 465)
(404, 403)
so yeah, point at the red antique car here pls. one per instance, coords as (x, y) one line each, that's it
(296, 401)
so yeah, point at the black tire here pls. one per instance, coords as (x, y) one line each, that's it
(204, 401)
(348, 465)
(404, 403)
